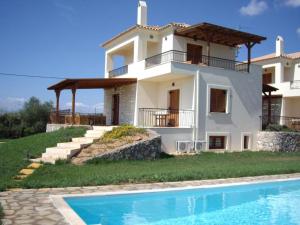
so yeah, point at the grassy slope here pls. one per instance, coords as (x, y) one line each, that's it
(13, 153)
(204, 166)
(1, 214)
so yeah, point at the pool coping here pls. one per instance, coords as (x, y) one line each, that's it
(74, 219)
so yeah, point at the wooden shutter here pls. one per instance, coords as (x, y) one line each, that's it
(218, 100)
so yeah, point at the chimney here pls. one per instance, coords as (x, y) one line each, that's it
(142, 13)
(279, 46)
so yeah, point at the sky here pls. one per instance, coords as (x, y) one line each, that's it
(62, 38)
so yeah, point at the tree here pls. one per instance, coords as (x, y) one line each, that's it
(31, 119)
(35, 116)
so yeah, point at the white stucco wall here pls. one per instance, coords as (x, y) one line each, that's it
(127, 103)
(244, 102)
(216, 50)
(245, 105)
(169, 136)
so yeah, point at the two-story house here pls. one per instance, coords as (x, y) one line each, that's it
(282, 71)
(184, 82)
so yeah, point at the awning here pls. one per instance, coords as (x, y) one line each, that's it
(92, 83)
(218, 34)
(268, 88)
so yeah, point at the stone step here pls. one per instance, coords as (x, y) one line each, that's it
(84, 140)
(103, 128)
(71, 145)
(49, 159)
(61, 149)
(34, 165)
(96, 132)
(93, 135)
(26, 171)
(20, 177)
(55, 156)
(65, 154)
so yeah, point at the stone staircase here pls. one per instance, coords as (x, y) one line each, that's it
(67, 150)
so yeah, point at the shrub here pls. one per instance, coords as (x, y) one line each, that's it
(277, 127)
(122, 131)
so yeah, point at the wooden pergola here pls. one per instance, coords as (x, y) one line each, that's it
(86, 83)
(267, 91)
(212, 33)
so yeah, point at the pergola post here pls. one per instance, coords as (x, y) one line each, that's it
(73, 104)
(249, 45)
(57, 93)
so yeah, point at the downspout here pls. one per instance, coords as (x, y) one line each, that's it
(196, 106)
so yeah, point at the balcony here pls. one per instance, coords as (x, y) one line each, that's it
(203, 60)
(119, 71)
(160, 117)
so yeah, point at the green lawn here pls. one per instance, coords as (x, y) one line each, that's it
(13, 153)
(204, 166)
(1, 214)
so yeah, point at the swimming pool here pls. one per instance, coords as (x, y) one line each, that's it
(260, 203)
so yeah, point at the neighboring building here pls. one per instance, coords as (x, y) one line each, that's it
(185, 84)
(282, 71)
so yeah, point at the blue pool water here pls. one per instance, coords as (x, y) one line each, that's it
(265, 203)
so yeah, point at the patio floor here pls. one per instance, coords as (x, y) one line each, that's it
(34, 207)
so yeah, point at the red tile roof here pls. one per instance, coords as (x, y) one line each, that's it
(294, 55)
(146, 27)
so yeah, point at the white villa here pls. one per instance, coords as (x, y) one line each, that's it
(282, 71)
(184, 82)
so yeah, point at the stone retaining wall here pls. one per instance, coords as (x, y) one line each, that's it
(278, 141)
(143, 150)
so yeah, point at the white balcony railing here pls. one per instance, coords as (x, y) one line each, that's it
(119, 71)
(159, 117)
(179, 56)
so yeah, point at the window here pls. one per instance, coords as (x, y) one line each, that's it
(217, 142)
(218, 100)
(267, 78)
(246, 142)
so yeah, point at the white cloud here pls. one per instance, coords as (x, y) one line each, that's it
(298, 31)
(66, 11)
(255, 7)
(11, 104)
(77, 104)
(99, 106)
(292, 3)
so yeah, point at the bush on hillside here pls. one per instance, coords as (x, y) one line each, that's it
(31, 119)
(122, 131)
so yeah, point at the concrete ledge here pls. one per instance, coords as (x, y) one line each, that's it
(54, 127)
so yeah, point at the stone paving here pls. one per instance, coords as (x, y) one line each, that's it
(34, 207)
